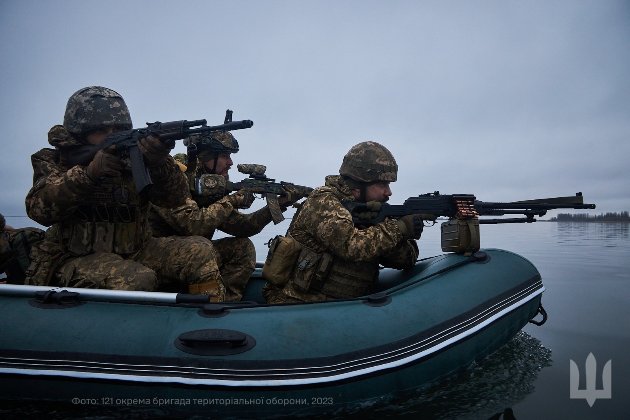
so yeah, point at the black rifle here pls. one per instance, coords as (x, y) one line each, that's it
(465, 206)
(258, 183)
(126, 142)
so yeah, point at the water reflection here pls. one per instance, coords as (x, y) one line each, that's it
(569, 232)
(486, 390)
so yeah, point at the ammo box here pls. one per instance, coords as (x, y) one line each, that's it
(460, 236)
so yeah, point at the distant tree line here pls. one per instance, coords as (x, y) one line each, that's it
(585, 217)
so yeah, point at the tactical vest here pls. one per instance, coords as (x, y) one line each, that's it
(321, 272)
(110, 219)
(336, 278)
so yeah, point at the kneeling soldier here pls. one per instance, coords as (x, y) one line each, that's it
(99, 233)
(202, 214)
(337, 259)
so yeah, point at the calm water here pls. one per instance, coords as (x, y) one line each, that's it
(585, 269)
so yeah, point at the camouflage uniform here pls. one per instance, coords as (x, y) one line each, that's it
(15, 248)
(235, 257)
(99, 233)
(339, 259)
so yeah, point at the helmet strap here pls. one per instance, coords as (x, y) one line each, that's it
(191, 157)
(214, 165)
(363, 192)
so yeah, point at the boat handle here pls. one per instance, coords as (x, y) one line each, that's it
(541, 311)
(204, 338)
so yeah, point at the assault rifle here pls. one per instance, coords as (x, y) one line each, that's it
(256, 183)
(126, 142)
(464, 206)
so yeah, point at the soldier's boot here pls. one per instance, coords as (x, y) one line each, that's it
(210, 285)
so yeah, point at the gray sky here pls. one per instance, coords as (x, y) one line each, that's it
(506, 100)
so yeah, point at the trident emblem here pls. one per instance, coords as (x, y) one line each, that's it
(591, 393)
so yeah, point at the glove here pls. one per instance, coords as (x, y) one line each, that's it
(369, 211)
(155, 152)
(241, 199)
(105, 164)
(292, 196)
(411, 226)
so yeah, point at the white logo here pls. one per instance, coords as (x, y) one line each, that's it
(591, 393)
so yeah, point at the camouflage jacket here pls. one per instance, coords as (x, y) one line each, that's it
(87, 216)
(324, 226)
(15, 248)
(201, 216)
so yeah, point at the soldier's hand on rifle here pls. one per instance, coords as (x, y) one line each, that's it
(292, 196)
(411, 226)
(241, 199)
(105, 164)
(155, 152)
(369, 211)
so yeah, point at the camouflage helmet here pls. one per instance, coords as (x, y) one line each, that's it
(369, 162)
(212, 143)
(96, 107)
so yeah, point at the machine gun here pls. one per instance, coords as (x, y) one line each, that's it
(465, 206)
(256, 183)
(126, 142)
(461, 232)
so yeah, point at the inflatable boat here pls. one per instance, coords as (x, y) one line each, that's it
(146, 349)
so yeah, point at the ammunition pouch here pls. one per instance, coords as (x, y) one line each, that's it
(349, 281)
(311, 269)
(460, 236)
(98, 228)
(211, 186)
(337, 279)
(281, 259)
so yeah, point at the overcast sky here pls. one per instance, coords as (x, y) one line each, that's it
(506, 100)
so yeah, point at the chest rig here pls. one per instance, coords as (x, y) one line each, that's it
(110, 218)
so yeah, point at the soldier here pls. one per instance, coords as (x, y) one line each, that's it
(235, 256)
(337, 259)
(15, 248)
(99, 233)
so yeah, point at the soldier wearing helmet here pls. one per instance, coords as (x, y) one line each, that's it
(205, 212)
(99, 233)
(213, 151)
(338, 259)
(94, 108)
